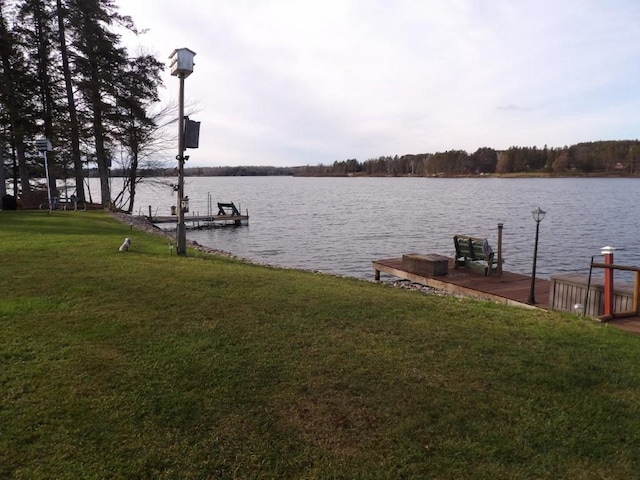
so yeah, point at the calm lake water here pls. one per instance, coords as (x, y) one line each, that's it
(339, 225)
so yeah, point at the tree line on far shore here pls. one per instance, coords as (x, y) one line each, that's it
(621, 157)
(612, 157)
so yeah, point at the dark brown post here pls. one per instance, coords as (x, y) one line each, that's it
(608, 281)
(636, 292)
(500, 226)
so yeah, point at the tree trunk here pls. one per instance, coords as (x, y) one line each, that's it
(45, 86)
(15, 122)
(101, 154)
(73, 115)
(3, 185)
(17, 134)
(133, 173)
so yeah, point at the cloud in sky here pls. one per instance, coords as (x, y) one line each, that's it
(296, 82)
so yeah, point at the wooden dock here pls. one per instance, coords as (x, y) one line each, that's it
(203, 221)
(509, 288)
(228, 215)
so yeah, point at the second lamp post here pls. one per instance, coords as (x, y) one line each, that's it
(538, 215)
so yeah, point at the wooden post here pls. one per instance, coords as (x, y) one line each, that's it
(500, 226)
(636, 293)
(608, 281)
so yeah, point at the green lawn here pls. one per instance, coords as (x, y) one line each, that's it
(148, 365)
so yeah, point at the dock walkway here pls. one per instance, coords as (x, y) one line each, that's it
(200, 220)
(510, 288)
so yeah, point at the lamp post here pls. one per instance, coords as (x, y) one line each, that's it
(181, 67)
(538, 215)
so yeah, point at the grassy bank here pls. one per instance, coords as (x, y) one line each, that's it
(147, 365)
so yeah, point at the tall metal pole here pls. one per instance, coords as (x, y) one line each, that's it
(181, 241)
(46, 173)
(532, 298)
(43, 145)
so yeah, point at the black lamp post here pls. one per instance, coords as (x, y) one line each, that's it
(538, 215)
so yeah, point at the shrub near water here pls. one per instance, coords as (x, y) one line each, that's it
(148, 365)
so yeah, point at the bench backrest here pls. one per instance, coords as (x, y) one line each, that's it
(473, 248)
(463, 246)
(227, 209)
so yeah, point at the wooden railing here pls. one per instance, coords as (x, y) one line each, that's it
(608, 292)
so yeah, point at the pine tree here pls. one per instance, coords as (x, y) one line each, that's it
(17, 87)
(73, 123)
(35, 31)
(65, 76)
(98, 66)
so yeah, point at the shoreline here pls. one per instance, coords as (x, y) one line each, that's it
(141, 223)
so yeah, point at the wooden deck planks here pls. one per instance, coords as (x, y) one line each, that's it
(511, 288)
(629, 324)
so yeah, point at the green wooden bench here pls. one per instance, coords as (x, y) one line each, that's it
(474, 253)
(227, 209)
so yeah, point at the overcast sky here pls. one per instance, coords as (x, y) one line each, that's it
(297, 82)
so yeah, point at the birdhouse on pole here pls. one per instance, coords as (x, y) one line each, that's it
(182, 62)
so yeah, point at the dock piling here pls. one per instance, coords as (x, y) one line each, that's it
(500, 227)
(608, 280)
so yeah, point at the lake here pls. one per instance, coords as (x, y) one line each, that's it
(339, 225)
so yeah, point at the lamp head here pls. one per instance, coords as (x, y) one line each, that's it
(538, 214)
(607, 250)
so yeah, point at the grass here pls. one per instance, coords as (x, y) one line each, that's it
(148, 365)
